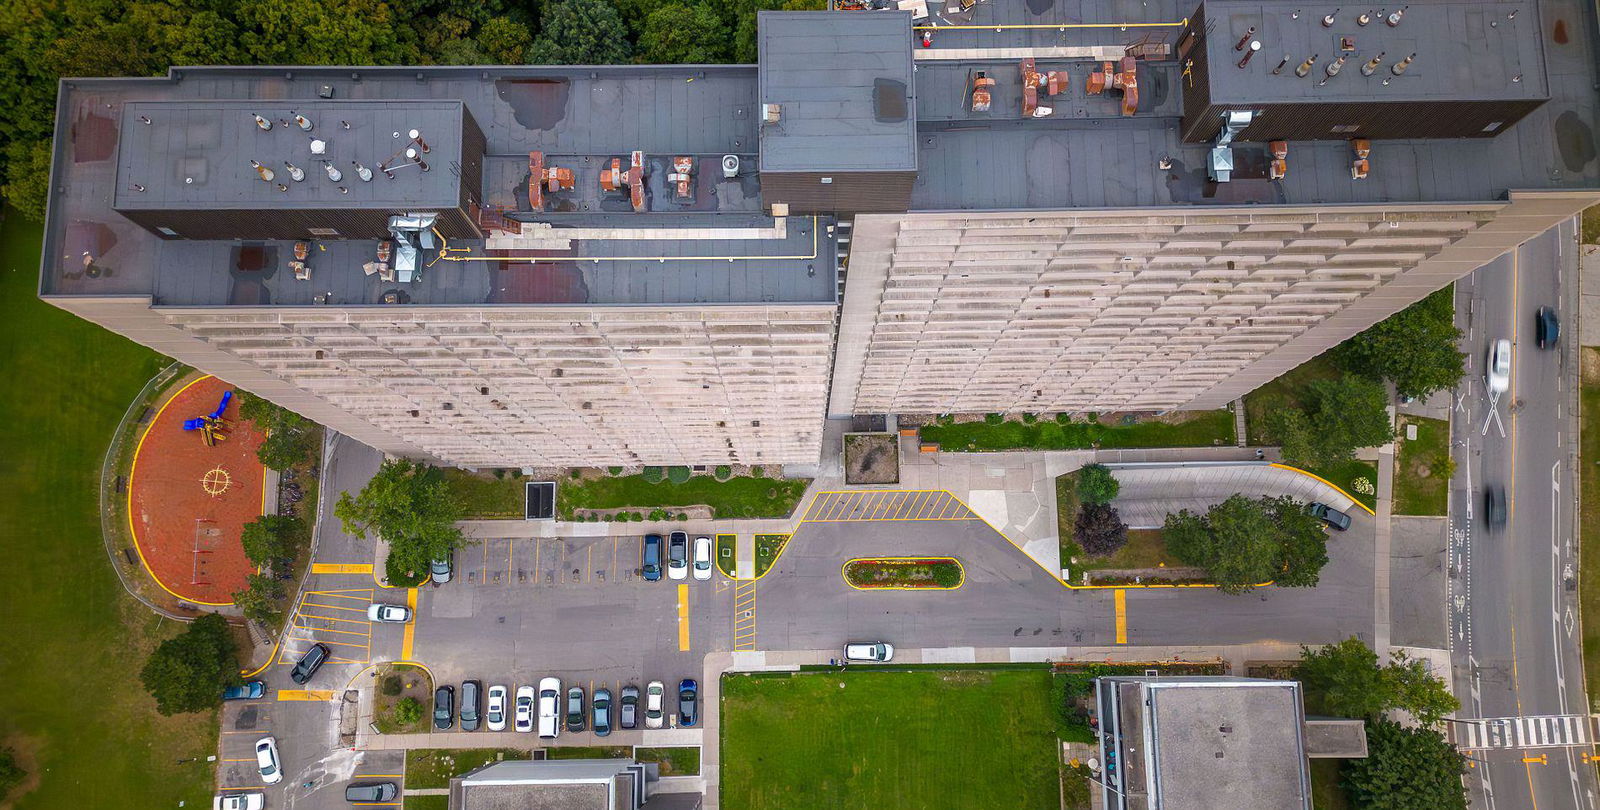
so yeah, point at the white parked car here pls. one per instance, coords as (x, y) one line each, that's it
(524, 709)
(550, 708)
(1498, 371)
(497, 707)
(252, 800)
(652, 704)
(391, 614)
(267, 760)
(876, 651)
(702, 558)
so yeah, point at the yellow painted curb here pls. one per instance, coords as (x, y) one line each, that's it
(341, 568)
(1336, 487)
(408, 636)
(959, 567)
(305, 694)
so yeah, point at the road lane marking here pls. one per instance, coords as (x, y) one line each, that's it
(409, 634)
(305, 694)
(1120, 597)
(341, 568)
(683, 618)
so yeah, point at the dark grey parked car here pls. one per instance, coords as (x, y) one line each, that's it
(1330, 515)
(471, 705)
(371, 792)
(309, 663)
(630, 707)
(444, 707)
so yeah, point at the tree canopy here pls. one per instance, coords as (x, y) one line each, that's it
(291, 438)
(270, 538)
(1343, 414)
(1345, 680)
(259, 601)
(409, 505)
(1406, 769)
(1096, 484)
(1100, 529)
(188, 672)
(1414, 348)
(1243, 542)
(580, 32)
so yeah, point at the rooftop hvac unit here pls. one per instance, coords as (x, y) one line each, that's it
(730, 166)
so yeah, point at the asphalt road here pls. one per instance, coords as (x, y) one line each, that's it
(1515, 649)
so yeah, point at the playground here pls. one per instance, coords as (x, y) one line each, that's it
(194, 483)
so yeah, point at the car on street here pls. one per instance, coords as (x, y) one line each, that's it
(1494, 506)
(600, 707)
(497, 707)
(702, 558)
(267, 760)
(440, 570)
(652, 557)
(371, 792)
(1497, 374)
(652, 704)
(875, 651)
(1546, 327)
(444, 707)
(575, 719)
(678, 555)
(471, 704)
(249, 690)
(688, 703)
(389, 614)
(524, 710)
(1329, 515)
(549, 708)
(309, 663)
(630, 707)
(240, 800)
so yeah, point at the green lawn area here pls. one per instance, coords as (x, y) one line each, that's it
(427, 803)
(435, 767)
(1288, 387)
(1418, 487)
(72, 705)
(1192, 429)
(1325, 791)
(484, 496)
(675, 761)
(1345, 474)
(742, 497)
(904, 739)
(768, 547)
(1067, 505)
(1589, 524)
(727, 547)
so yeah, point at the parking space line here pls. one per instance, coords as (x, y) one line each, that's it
(304, 615)
(511, 553)
(588, 563)
(249, 759)
(366, 594)
(683, 618)
(379, 776)
(330, 630)
(333, 607)
(1120, 598)
(339, 643)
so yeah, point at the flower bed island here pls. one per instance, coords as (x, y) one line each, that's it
(904, 573)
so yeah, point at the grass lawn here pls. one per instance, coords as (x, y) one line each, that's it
(1067, 505)
(1589, 523)
(743, 497)
(435, 767)
(907, 739)
(71, 631)
(675, 761)
(768, 547)
(1325, 791)
(1191, 429)
(1290, 387)
(484, 496)
(727, 547)
(1345, 474)
(403, 681)
(1418, 488)
(427, 803)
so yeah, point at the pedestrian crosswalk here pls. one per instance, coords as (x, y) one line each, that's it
(1547, 731)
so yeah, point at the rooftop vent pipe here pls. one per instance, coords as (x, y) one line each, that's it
(264, 124)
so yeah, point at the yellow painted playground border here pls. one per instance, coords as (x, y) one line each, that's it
(937, 557)
(1336, 487)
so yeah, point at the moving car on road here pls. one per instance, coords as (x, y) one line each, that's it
(389, 614)
(1494, 506)
(471, 701)
(309, 663)
(575, 719)
(1329, 515)
(249, 690)
(678, 555)
(702, 558)
(549, 711)
(267, 760)
(601, 708)
(1497, 374)
(1546, 327)
(497, 707)
(652, 704)
(524, 722)
(252, 800)
(875, 651)
(444, 707)
(688, 703)
(371, 792)
(652, 557)
(630, 707)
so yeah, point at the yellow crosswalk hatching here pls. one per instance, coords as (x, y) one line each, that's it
(744, 615)
(899, 504)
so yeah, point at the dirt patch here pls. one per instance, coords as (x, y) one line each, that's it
(871, 458)
(24, 752)
(1590, 358)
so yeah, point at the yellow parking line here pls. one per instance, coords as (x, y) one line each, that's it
(365, 597)
(304, 615)
(828, 504)
(1120, 597)
(341, 643)
(305, 694)
(341, 568)
(511, 553)
(409, 634)
(331, 630)
(332, 607)
(845, 503)
(683, 617)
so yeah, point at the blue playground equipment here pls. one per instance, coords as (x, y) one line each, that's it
(211, 427)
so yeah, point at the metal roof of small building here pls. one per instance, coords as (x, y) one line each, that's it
(843, 82)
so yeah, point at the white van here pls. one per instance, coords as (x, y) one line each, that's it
(549, 714)
(875, 651)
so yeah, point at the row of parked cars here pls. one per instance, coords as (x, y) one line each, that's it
(678, 563)
(543, 707)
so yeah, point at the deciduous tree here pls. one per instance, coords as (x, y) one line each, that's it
(291, 438)
(1100, 529)
(1406, 769)
(1243, 542)
(1414, 348)
(261, 599)
(410, 506)
(580, 32)
(270, 537)
(188, 672)
(679, 33)
(1345, 680)
(1096, 484)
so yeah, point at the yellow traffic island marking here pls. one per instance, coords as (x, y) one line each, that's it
(410, 633)
(904, 573)
(744, 615)
(305, 694)
(683, 618)
(341, 568)
(1120, 598)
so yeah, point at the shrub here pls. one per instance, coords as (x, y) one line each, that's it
(678, 475)
(1063, 418)
(1094, 418)
(723, 472)
(658, 514)
(500, 473)
(391, 685)
(946, 575)
(994, 418)
(653, 474)
(1029, 418)
(636, 517)
(614, 470)
(1100, 529)
(758, 472)
(1443, 468)
(408, 711)
(682, 516)
(575, 473)
(1096, 484)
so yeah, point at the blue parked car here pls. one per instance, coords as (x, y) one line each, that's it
(249, 690)
(688, 703)
(652, 557)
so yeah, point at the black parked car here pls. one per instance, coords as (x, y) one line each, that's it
(575, 718)
(1494, 506)
(630, 706)
(688, 703)
(471, 705)
(371, 792)
(444, 707)
(309, 663)
(652, 557)
(1546, 327)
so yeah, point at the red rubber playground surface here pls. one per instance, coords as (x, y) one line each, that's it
(188, 502)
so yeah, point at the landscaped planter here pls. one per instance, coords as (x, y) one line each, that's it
(904, 573)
